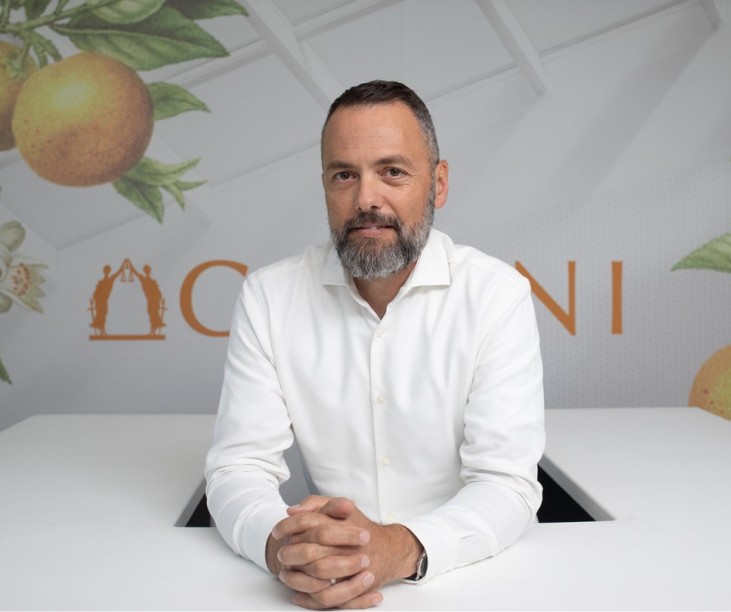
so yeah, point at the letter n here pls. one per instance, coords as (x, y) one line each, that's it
(566, 318)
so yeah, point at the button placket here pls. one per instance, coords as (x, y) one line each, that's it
(380, 426)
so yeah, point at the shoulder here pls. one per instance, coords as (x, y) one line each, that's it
(472, 266)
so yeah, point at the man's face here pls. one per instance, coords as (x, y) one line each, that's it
(380, 188)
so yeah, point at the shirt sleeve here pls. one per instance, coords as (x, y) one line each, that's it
(245, 464)
(504, 440)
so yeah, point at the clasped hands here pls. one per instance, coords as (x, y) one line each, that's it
(331, 555)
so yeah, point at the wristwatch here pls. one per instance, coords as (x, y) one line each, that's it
(421, 566)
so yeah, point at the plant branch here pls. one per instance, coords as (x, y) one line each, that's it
(59, 8)
(58, 15)
(24, 53)
(6, 13)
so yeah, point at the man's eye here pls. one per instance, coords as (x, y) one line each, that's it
(342, 176)
(394, 172)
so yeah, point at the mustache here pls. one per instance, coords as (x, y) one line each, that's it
(369, 219)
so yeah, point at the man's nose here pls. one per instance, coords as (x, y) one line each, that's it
(368, 194)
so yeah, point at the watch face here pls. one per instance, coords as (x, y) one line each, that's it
(421, 566)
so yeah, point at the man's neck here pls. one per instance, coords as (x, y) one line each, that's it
(380, 292)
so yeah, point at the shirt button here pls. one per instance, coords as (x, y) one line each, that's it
(380, 399)
(379, 332)
(385, 461)
(390, 517)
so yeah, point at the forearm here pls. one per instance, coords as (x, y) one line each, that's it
(401, 553)
(504, 438)
(480, 521)
(245, 464)
(245, 508)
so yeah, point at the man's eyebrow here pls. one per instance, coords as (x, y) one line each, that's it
(398, 160)
(336, 164)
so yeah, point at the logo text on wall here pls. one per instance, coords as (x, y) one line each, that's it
(127, 273)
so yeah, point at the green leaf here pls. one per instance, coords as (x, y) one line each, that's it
(145, 197)
(151, 172)
(42, 47)
(169, 100)
(177, 189)
(207, 9)
(124, 11)
(12, 235)
(142, 184)
(714, 255)
(188, 185)
(166, 37)
(35, 8)
(177, 193)
(4, 376)
(5, 303)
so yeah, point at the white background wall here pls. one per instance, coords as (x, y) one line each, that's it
(625, 157)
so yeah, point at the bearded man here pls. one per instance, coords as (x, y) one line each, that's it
(407, 367)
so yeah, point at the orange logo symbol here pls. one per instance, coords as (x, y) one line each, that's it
(99, 303)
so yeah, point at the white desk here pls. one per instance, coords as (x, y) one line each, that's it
(631, 463)
(88, 506)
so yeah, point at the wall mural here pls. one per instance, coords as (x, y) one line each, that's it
(20, 277)
(87, 119)
(711, 389)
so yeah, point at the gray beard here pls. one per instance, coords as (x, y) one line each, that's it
(364, 258)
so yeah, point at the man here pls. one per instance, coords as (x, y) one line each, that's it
(408, 369)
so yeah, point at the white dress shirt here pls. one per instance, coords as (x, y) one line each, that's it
(431, 417)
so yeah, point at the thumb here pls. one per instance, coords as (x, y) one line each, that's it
(338, 507)
(312, 503)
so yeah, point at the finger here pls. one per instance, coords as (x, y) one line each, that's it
(368, 600)
(312, 503)
(317, 576)
(299, 523)
(304, 583)
(298, 555)
(334, 566)
(338, 594)
(342, 566)
(333, 535)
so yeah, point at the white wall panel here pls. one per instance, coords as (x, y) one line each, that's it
(624, 158)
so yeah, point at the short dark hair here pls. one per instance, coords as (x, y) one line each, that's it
(385, 92)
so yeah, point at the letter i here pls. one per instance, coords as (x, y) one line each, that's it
(616, 297)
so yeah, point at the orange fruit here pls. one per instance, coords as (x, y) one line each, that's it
(83, 121)
(11, 80)
(711, 389)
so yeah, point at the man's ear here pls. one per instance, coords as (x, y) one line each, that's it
(441, 183)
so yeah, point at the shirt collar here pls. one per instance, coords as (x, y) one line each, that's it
(432, 268)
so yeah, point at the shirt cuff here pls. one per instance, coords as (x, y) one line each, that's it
(253, 543)
(439, 543)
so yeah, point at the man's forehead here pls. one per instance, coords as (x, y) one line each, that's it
(375, 112)
(372, 124)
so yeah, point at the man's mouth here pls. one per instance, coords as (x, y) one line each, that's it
(371, 226)
(371, 231)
